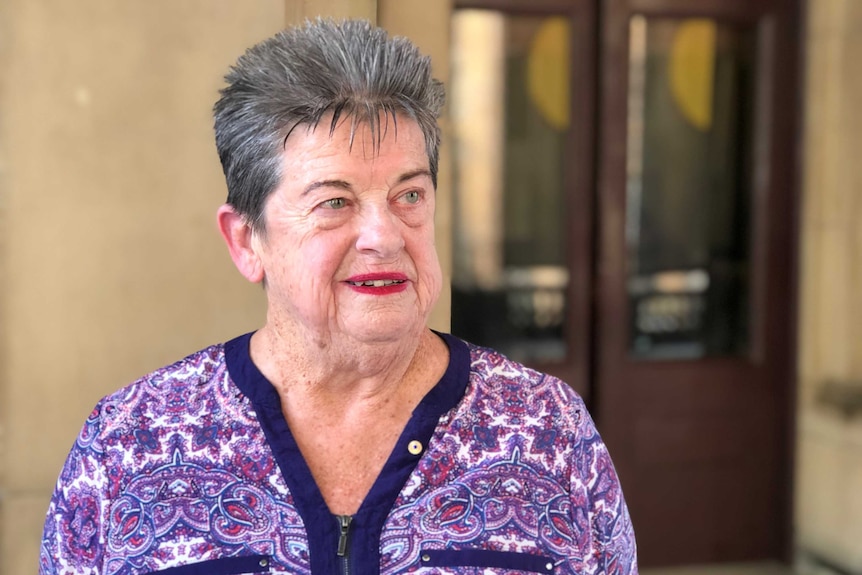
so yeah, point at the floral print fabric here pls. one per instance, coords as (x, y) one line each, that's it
(175, 470)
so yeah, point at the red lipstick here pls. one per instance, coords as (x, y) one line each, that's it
(383, 283)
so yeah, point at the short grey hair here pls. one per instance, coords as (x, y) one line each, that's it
(348, 68)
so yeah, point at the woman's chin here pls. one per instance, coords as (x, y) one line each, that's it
(383, 328)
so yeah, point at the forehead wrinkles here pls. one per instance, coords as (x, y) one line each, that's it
(310, 146)
(374, 124)
(372, 129)
(352, 157)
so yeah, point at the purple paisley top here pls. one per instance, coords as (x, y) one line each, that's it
(192, 470)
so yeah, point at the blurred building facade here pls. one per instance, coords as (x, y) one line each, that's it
(111, 266)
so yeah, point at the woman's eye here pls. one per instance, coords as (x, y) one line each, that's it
(412, 197)
(335, 203)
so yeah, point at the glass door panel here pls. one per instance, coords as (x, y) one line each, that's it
(689, 180)
(510, 107)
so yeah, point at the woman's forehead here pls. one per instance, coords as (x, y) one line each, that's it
(356, 137)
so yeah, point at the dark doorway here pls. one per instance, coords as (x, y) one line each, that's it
(637, 239)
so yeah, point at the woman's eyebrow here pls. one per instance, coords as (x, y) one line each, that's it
(341, 184)
(413, 174)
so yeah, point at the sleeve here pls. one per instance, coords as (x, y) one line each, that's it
(612, 549)
(73, 540)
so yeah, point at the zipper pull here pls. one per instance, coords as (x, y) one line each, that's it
(344, 521)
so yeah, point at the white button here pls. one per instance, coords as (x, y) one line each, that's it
(414, 447)
(264, 562)
(426, 558)
(549, 566)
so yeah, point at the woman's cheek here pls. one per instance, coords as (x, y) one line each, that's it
(434, 282)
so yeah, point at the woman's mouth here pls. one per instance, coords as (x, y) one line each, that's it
(376, 283)
(379, 284)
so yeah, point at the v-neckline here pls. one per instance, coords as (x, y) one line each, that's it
(321, 525)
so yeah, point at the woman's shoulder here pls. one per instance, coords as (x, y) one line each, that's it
(196, 369)
(492, 373)
(179, 386)
(491, 364)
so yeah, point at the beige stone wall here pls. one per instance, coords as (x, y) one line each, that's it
(110, 262)
(829, 470)
(298, 10)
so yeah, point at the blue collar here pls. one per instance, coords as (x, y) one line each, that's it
(322, 527)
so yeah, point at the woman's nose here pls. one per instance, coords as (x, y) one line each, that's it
(379, 232)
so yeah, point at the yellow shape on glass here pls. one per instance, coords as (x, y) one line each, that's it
(548, 71)
(692, 71)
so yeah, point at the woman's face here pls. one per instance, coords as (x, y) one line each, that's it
(349, 244)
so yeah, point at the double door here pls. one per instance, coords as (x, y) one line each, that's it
(624, 216)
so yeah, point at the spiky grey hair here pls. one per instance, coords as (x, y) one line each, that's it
(349, 69)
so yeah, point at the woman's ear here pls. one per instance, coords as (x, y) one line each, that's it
(239, 237)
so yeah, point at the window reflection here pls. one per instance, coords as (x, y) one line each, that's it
(510, 112)
(688, 187)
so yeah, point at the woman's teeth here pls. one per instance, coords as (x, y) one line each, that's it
(377, 283)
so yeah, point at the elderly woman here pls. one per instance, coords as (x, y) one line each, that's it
(343, 436)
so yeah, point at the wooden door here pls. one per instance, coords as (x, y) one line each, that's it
(664, 261)
(522, 101)
(693, 378)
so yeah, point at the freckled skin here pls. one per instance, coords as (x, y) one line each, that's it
(350, 364)
(359, 223)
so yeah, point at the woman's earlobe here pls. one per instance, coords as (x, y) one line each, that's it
(239, 237)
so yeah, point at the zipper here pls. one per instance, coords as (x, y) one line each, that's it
(343, 551)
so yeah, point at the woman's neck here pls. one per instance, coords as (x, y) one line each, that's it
(344, 371)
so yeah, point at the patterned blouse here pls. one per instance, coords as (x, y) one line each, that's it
(192, 470)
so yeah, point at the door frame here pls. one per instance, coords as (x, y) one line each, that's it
(579, 178)
(775, 193)
(595, 184)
